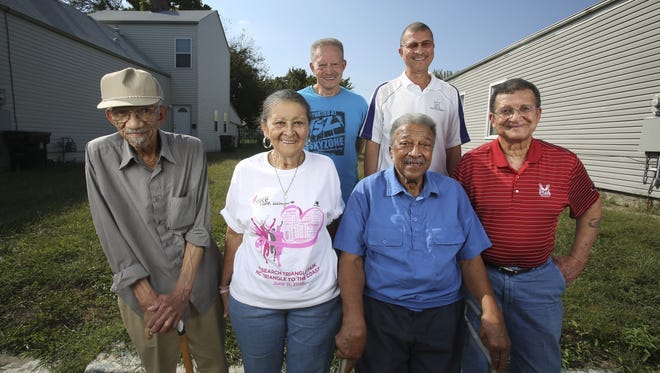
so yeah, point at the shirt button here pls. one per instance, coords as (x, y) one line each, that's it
(517, 190)
(414, 219)
(384, 242)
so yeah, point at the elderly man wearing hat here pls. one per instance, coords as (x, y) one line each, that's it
(148, 194)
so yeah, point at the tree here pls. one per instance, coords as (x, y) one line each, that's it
(443, 74)
(89, 6)
(247, 77)
(190, 5)
(168, 4)
(296, 79)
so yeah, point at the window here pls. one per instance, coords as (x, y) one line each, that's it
(183, 52)
(490, 132)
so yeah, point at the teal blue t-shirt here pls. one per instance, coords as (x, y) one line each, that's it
(333, 131)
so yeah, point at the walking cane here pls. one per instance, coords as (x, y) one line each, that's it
(185, 353)
(474, 334)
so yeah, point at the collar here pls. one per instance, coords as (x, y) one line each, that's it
(394, 187)
(311, 87)
(433, 84)
(499, 160)
(128, 154)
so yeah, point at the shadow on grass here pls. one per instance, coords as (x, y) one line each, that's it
(55, 275)
(29, 195)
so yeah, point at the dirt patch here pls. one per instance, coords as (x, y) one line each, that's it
(13, 364)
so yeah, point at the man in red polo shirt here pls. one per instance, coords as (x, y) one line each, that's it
(518, 186)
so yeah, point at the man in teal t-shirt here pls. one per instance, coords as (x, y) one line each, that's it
(337, 113)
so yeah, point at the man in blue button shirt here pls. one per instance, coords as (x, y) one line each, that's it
(409, 240)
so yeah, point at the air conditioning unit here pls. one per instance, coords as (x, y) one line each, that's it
(649, 141)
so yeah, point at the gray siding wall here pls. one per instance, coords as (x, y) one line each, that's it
(157, 41)
(597, 74)
(213, 81)
(56, 85)
(190, 86)
(205, 86)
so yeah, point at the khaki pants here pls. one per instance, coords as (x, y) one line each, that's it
(205, 335)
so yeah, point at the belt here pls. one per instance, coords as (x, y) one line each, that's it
(511, 270)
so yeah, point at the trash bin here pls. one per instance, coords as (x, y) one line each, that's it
(226, 143)
(27, 149)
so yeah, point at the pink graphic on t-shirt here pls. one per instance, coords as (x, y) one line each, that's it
(296, 230)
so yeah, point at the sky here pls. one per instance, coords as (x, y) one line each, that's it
(465, 31)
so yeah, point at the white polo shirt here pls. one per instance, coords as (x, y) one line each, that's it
(439, 100)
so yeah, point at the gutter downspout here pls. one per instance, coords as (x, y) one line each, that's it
(11, 73)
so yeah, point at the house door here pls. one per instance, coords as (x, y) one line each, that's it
(181, 119)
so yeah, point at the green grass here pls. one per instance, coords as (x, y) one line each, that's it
(57, 305)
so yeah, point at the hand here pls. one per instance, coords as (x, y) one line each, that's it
(165, 312)
(350, 341)
(494, 336)
(569, 266)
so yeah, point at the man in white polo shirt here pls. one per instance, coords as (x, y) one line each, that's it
(415, 91)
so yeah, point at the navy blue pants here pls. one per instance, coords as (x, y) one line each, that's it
(400, 340)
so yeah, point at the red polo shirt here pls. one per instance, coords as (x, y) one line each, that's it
(520, 209)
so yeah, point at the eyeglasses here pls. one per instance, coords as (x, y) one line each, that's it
(144, 113)
(413, 45)
(508, 112)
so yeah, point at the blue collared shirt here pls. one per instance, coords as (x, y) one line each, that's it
(411, 245)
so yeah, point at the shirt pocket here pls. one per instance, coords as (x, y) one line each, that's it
(381, 239)
(446, 239)
(180, 213)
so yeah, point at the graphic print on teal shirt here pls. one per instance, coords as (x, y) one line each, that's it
(327, 132)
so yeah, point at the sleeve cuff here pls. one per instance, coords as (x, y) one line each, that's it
(127, 277)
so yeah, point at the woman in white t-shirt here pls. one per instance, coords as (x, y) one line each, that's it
(279, 281)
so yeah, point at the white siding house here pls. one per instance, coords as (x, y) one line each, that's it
(597, 72)
(52, 58)
(191, 47)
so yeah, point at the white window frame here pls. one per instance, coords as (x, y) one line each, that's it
(177, 53)
(489, 131)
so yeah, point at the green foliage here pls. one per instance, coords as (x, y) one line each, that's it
(89, 6)
(296, 79)
(248, 73)
(57, 305)
(176, 4)
(443, 74)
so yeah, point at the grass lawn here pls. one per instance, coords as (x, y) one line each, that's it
(57, 305)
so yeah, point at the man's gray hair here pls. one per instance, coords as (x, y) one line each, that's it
(327, 41)
(412, 118)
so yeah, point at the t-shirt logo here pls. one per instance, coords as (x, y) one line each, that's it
(327, 132)
(296, 230)
(437, 105)
(544, 191)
